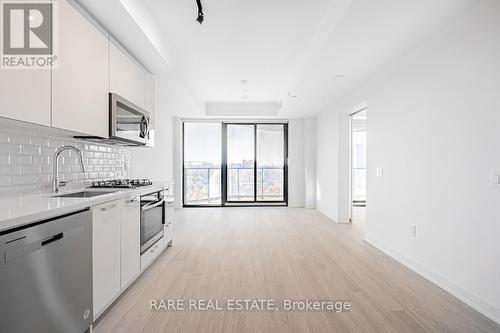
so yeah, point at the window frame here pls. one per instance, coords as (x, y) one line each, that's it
(224, 199)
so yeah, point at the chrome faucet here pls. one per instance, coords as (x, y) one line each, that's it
(55, 175)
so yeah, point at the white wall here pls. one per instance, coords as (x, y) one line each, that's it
(296, 166)
(327, 164)
(433, 126)
(310, 162)
(157, 163)
(178, 161)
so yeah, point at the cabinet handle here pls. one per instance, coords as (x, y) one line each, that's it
(153, 249)
(108, 208)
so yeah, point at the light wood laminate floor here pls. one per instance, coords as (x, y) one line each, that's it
(284, 253)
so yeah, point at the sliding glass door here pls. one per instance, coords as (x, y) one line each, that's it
(240, 162)
(256, 163)
(271, 162)
(235, 164)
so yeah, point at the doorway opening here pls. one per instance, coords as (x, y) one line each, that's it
(358, 142)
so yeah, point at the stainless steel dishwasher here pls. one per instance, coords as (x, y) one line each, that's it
(46, 276)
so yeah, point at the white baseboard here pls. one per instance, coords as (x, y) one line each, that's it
(474, 301)
(334, 219)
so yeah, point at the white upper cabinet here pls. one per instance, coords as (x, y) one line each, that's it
(90, 66)
(81, 80)
(25, 95)
(127, 78)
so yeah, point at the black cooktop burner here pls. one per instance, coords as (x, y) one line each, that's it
(121, 183)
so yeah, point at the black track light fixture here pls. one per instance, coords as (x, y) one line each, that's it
(200, 12)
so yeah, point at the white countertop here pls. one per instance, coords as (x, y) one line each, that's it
(24, 209)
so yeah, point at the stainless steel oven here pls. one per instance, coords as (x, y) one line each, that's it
(152, 219)
(128, 122)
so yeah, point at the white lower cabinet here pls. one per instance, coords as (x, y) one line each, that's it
(106, 246)
(130, 241)
(116, 248)
(169, 223)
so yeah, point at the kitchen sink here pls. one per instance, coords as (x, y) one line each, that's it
(83, 194)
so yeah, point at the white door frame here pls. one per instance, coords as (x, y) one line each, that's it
(357, 109)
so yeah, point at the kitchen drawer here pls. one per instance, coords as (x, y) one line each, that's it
(152, 253)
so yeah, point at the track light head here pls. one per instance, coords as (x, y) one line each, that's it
(201, 17)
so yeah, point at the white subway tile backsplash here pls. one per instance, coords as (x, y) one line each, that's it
(40, 141)
(10, 170)
(30, 170)
(6, 148)
(26, 162)
(21, 159)
(4, 159)
(24, 179)
(4, 138)
(20, 139)
(28, 149)
(46, 151)
(4, 180)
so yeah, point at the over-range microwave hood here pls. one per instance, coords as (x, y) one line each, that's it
(128, 124)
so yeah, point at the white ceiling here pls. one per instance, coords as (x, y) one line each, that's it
(280, 47)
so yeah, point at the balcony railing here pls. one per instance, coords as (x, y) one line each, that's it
(202, 185)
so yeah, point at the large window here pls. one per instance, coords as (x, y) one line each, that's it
(202, 164)
(231, 164)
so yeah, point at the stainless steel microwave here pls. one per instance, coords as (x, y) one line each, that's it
(128, 122)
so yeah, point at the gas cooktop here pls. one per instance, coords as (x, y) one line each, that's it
(121, 183)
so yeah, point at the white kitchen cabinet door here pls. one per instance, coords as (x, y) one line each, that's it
(130, 241)
(25, 95)
(169, 231)
(106, 225)
(81, 79)
(127, 78)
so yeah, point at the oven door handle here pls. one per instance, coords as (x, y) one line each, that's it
(152, 205)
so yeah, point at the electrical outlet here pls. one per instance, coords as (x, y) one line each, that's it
(380, 172)
(413, 231)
